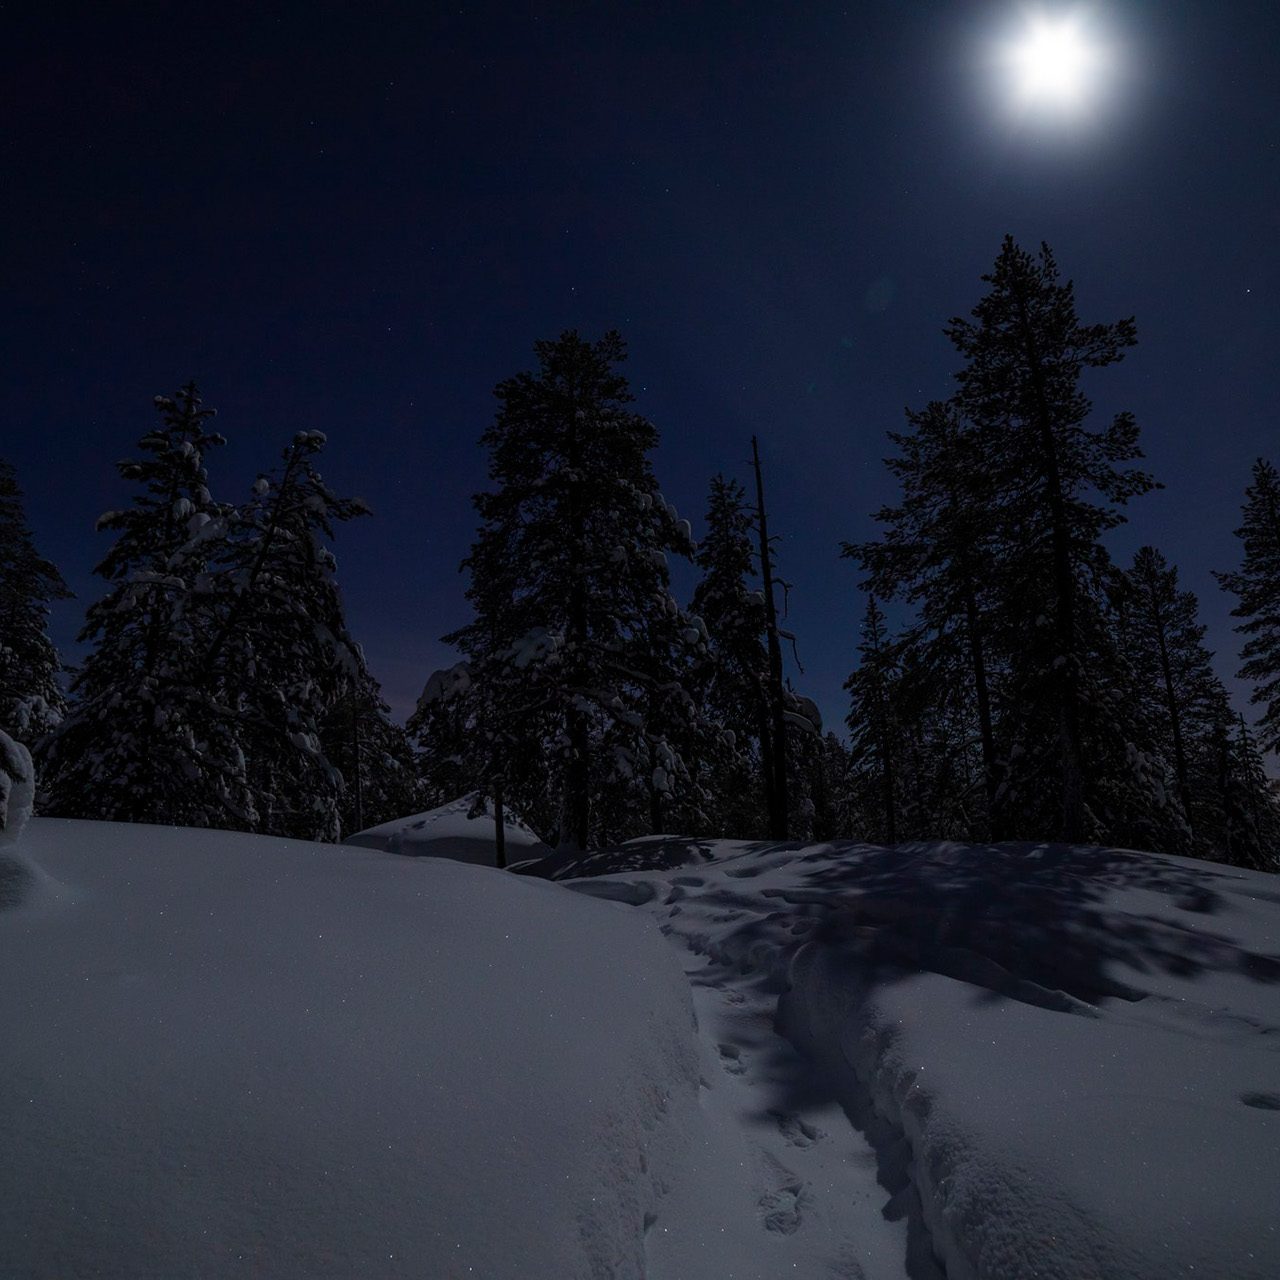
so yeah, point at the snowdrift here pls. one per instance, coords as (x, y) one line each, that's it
(228, 1054)
(450, 832)
(1068, 1059)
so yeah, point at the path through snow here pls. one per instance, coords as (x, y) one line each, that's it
(826, 1192)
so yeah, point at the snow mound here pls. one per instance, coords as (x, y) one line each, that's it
(647, 853)
(451, 832)
(230, 1053)
(17, 788)
(1068, 1059)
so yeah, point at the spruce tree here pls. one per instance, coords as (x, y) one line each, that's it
(937, 552)
(139, 743)
(373, 755)
(1256, 585)
(873, 727)
(31, 699)
(570, 586)
(1060, 485)
(1166, 647)
(280, 659)
(732, 681)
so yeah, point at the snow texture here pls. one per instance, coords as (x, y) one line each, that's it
(243, 1055)
(452, 832)
(1067, 1060)
(17, 788)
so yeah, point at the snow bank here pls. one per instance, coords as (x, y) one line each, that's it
(451, 832)
(1075, 1052)
(227, 1053)
(17, 788)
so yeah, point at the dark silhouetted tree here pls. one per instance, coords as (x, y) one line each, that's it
(570, 585)
(1059, 485)
(1256, 586)
(31, 699)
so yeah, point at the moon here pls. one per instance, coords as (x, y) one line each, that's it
(1054, 64)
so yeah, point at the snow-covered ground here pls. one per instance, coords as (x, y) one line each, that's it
(452, 831)
(228, 1054)
(1067, 1061)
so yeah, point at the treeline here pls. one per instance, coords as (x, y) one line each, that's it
(1032, 690)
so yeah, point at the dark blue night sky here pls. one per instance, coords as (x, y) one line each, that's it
(357, 218)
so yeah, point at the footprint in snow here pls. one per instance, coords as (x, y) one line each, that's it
(798, 1132)
(731, 1058)
(781, 1209)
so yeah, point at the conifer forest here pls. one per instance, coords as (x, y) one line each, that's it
(1011, 681)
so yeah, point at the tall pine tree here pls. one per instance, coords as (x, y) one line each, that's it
(571, 588)
(139, 744)
(732, 681)
(31, 699)
(279, 661)
(1060, 485)
(1256, 586)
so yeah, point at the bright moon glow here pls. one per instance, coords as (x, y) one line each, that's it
(1054, 64)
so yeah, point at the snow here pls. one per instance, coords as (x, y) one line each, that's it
(1066, 1060)
(451, 832)
(17, 788)
(254, 1056)
(245, 1054)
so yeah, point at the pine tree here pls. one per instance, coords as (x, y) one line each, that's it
(1256, 584)
(1166, 646)
(873, 726)
(775, 756)
(732, 681)
(1245, 821)
(280, 659)
(373, 755)
(937, 552)
(31, 699)
(1060, 485)
(139, 744)
(570, 585)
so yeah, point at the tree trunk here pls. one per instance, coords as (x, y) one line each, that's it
(575, 822)
(978, 661)
(778, 724)
(1171, 701)
(499, 827)
(357, 786)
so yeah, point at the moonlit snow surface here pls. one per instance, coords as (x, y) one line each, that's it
(1067, 1060)
(230, 1055)
(451, 831)
(233, 1055)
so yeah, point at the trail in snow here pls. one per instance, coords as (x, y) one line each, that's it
(1056, 1061)
(826, 1191)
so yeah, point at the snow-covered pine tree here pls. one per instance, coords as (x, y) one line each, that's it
(1060, 485)
(1165, 643)
(570, 584)
(731, 682)
(873, 729)
(1243, 820)
(139, 743)
(373, 755)
(939, 552)
(775, 757)
(1256, 586)
(31, 699)
(280, 658)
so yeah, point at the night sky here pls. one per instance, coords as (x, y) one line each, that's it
(358, 218)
